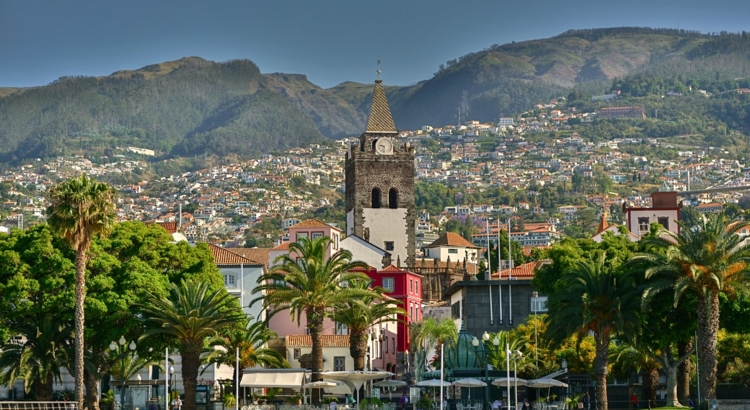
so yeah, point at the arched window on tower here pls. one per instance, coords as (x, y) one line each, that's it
(375, 198)
(393, 198)
(373, 144)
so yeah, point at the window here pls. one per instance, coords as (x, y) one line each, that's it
(342, 329)
(411, 311)
(388, 284)
(539, 304)
(229, 281)
(456, 310)
(301, 235)
(339, 363)
(297, 353)
(451, 250)
(643, 224)
(385, 345)
(389, 246)
(411, 285)
(663, 221)
(393, 344)
(419, 290)
(316, 235)
(375, 198)
(392, 199)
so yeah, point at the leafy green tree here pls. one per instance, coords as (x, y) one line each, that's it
(705, 261)
(79, 209)
(252, 342)
(307, 281)
(600, 298)
(362, 314)
(191, 314)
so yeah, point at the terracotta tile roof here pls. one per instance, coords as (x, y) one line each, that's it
(311, 223)
(524, 271)
(171, 227)
(451, 239)
(326, 340)
(391, 268)
(224, 257)
(260, 255)
(380, 119)
(283, 246)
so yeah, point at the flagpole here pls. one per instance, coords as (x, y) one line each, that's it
(489, 268)
(166, 378)
(237, 372)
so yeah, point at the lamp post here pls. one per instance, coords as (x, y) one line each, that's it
(516, 355)
(119, 347)
(564, 364)
(171, 382)
(536, 337)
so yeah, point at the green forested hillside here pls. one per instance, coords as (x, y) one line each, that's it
(183, 107)
(191, 105)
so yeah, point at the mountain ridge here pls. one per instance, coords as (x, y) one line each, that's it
(192, 105)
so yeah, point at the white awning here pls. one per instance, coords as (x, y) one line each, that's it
(282, 378)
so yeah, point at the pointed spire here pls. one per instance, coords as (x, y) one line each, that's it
(603, 225)
(380, 120)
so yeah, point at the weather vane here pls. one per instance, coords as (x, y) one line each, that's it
(378, 70)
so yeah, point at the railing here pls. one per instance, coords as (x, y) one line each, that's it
(38, 405)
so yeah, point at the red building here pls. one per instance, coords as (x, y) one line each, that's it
(406, 288)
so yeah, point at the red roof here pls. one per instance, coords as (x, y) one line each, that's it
(524, 271)
(311, 223)
(283, 246)
(451, 239)
(224, 257)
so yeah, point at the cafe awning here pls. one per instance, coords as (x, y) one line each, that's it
(281, 378)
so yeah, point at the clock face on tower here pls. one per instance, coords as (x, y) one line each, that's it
(384, 146)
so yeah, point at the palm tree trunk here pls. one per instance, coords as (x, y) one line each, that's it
(708, 329)
(191, 353)
(358, 349)
(44, 389)
(683, 372)
(601, 361)
(315, 324)
(79, 322)
(92, 394)
(650, 384)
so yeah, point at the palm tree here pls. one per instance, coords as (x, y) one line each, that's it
(433, 333)
(252, 341)
(80, 208)
(705, 259)
(307, 281)
(596, 297)
(363, 314)
(38, 360)
(191, 313)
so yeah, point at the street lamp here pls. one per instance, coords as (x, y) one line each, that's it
(564, 364)
(119, 347)
(171, 381)
(536, 337)
(516, 355)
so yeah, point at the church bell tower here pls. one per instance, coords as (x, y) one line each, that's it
(380, 184)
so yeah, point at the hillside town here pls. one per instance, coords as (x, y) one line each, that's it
(411, 252)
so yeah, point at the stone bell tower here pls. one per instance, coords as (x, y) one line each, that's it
(380, 185)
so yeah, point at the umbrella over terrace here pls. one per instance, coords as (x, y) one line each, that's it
(355, 378)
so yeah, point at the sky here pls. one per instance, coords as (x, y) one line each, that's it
(331, 41)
